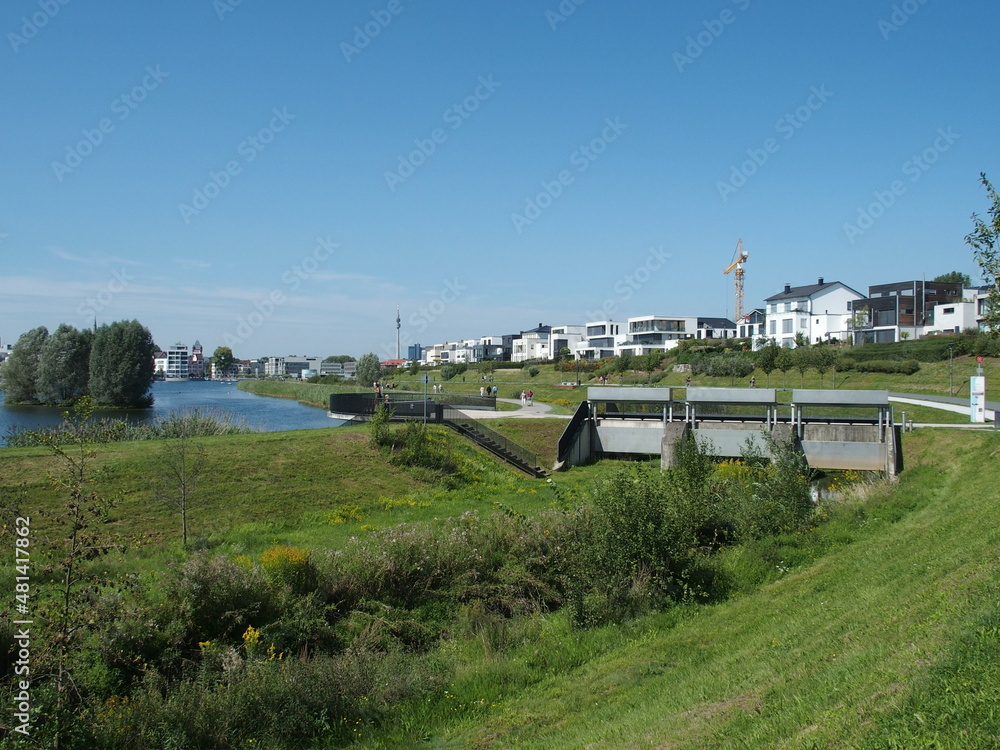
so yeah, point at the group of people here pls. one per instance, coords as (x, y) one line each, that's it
(527, 398)
(487, 390)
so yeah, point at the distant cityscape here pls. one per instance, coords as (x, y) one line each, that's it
(823, 312)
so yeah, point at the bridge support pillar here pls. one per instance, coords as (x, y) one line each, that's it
(673, 434)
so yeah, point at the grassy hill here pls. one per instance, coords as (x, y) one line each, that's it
(880, 632)
(878, 627)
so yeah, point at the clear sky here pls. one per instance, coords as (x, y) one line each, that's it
(278, 177)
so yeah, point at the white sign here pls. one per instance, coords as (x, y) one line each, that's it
(977, 399)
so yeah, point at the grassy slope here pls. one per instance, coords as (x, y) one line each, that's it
(840, 653)
(312, 487)
(932, 379)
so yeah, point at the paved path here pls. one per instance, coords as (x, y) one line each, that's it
(535, 411)
(954, 404)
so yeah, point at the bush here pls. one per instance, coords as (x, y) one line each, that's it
(904, 367)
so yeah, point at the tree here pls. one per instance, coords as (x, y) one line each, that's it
(20, 371)
(69, 613)
(955, 277)
(179, 464)
(341, 358)
(64, 365)
(823, 358)
(369, 369)
(984, 240)
(224, 359)
(767, 358)
(487, 367)
(802, 358)
(785, 360)
(121, 365)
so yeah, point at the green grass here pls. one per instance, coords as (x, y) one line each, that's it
(312, 487)
(879, 626)
(879, 616)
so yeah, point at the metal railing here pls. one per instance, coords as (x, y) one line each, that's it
(405, 404)
(525, 455)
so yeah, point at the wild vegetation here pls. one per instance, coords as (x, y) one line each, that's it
(394, 609)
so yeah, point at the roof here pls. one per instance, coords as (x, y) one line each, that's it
(715, 323)
(809, 290)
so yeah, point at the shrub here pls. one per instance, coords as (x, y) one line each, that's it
(905, 367)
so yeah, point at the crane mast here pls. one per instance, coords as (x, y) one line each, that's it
(736, 267)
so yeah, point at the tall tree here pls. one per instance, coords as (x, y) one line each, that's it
(955, 277)
(224, 359)
(984, 239)
(64, 365)
(121, 365)
(20, 371)
(369, 369)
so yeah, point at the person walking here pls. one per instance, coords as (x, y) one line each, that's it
(531, 398)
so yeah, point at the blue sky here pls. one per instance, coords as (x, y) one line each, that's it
(279, 177)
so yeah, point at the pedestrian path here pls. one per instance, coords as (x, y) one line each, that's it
(954, 404)
(534, 411)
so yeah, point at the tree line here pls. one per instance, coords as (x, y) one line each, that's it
(112, 364)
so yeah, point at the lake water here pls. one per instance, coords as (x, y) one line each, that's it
(257, 412)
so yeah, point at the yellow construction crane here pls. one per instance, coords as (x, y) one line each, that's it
(739, 258)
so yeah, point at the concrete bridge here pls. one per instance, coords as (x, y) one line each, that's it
(833, 429)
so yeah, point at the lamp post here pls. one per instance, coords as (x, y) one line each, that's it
(951, 369)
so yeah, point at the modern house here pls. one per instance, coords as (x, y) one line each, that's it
(816, 312)
(905, 309)
(752, 325)
(565, 337)
(715, 328)
(602, 339)
(649, 333)
(532, 344)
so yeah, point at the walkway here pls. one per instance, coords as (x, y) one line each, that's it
(537, 410)
(954, 404)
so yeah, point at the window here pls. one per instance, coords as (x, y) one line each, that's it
(803, 323)
(948, 311)
(772, 327)
(786, 325)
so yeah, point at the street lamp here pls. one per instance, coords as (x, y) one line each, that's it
(951, 369)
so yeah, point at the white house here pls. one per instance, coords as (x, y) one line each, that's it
(602, 339)
(649, 333)
(819, 312)
(566, 337)
(533, 344)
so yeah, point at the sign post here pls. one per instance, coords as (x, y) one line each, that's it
(425, 379)
(977, 394)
